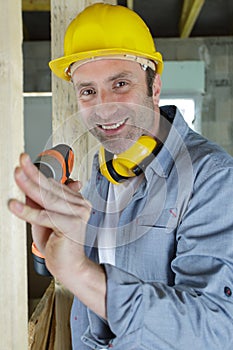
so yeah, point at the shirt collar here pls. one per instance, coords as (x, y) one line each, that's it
(173, 144)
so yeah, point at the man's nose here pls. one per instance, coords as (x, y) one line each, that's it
(105, 96)
(106, 104)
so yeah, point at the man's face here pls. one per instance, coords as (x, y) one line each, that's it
(113, 102)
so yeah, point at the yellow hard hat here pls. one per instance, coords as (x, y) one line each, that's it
(104, 30)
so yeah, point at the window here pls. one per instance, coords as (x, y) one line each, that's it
(185, 105)
(183, 85)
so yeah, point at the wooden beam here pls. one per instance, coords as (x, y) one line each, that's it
(67, 128)
(187, 4)
(39, 326)
(13, 254)
(130, 4)
(63, 303)
(35, 5)
(189, 15)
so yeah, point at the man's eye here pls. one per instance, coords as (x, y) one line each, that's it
(88, 92)
(121, 83)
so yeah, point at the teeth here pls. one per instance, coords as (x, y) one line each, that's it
(112, 126)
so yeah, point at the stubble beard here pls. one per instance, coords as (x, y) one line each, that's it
(141, 122)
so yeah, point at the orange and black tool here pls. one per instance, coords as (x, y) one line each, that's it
(56, 163)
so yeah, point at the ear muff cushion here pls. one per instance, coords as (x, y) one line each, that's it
(130, 163)
(114, 175)
(137, 170)
(106, 167)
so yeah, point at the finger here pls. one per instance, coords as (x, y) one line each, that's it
(32, 173)
(74, 185)
(31, 215)
(37, 176)
(31, 203)
(72, 227)
(40, 236)
(62, 202)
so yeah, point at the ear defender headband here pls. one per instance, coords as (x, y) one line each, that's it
(132, 162)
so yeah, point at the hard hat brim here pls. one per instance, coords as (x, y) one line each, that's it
(60, 65)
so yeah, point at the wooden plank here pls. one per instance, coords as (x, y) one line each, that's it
(36, 5)
(63, 302)
(51, 340)
(190, 13)
(13, 256)
(40, 322)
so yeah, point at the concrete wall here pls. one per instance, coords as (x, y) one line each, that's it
(37, 76)
(217, 102)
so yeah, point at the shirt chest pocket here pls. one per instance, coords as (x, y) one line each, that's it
(152, 247)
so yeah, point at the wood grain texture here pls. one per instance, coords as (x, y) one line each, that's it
(13, 256)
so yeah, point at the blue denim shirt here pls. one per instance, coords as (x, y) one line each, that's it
(172, 285)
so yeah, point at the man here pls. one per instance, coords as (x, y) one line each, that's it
(155, 271)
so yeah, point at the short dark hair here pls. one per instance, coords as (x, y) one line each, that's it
(150, 76)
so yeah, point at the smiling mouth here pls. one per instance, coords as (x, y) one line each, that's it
(113, 126)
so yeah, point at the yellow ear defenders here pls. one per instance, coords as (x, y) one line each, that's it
(132, 162)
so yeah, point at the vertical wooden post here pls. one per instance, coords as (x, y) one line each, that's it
(13, 272)
(67, 128)
(66, 125)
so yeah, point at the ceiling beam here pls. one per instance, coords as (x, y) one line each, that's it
(130, 4)
(189, 15)
(35, 5)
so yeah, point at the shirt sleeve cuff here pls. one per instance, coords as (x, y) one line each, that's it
(125, 307)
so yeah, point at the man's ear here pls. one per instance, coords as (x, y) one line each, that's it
(156, 88)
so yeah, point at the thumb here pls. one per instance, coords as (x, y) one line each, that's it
(74, 185)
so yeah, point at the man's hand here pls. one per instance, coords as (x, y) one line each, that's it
(59, 215)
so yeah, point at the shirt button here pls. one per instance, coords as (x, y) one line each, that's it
(227, 291)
